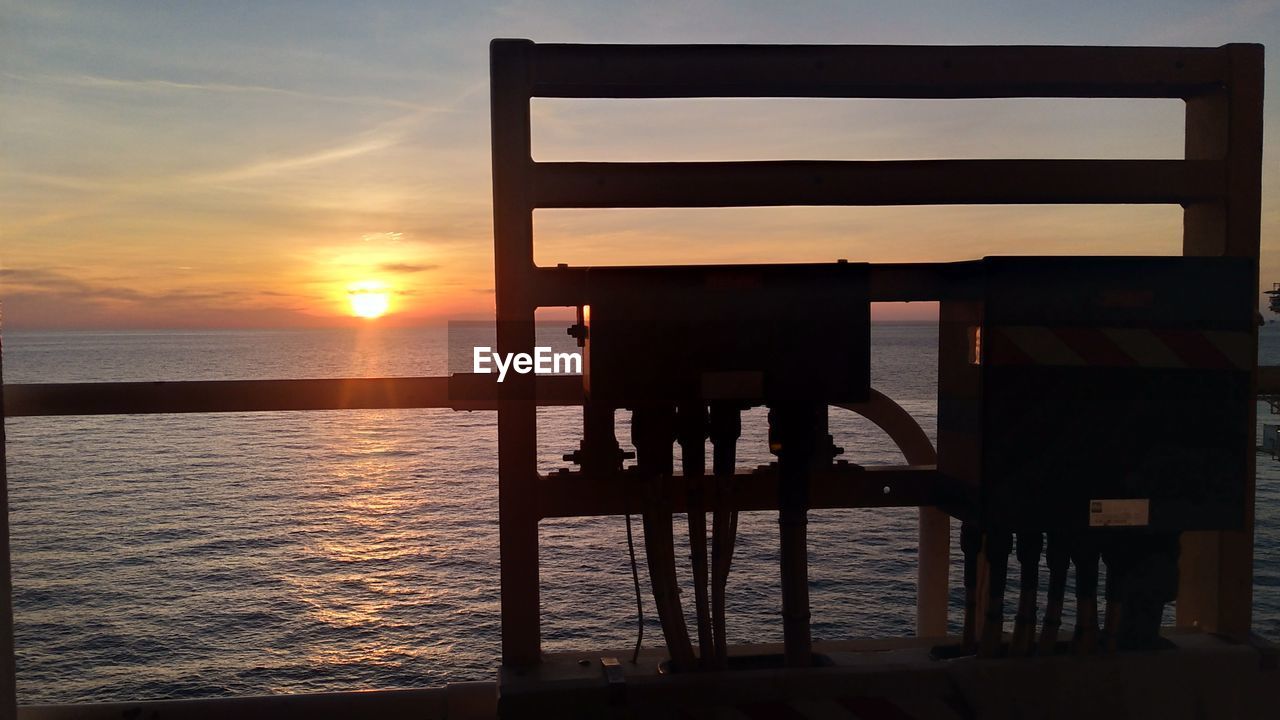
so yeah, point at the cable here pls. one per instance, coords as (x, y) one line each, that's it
(635, 577)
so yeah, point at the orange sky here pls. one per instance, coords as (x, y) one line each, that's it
(204, 167)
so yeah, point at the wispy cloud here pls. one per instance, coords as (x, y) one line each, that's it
(382, 137)
(406, 267)
(103, 193)
(54, 282)
(155, 86)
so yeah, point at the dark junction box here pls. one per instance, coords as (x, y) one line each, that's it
(1082, 392)
(746, 333)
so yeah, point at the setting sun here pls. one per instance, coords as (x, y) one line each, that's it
(369, 299)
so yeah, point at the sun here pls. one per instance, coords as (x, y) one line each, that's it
(369, 299)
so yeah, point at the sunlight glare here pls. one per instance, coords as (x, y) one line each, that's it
(369, 299)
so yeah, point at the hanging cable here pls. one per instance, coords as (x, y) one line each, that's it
(635, 578)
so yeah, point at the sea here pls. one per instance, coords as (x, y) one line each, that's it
(183, 556)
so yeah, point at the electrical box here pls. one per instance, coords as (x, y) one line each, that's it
(751, 334)
(1080, 392)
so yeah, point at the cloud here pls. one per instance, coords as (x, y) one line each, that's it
(54, 282)
(406, 267)
(171, 86)
(368, 143)
(52, 297)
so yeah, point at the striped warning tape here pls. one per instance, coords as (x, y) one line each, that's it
(1116, 347)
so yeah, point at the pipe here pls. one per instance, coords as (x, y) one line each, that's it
(934, 524)
(599, 454)
(1114, 592)
(1024, 625)
(1058, 558)
(1084, 553)
(971, 547)
(652, 433)
(691, 433)
(999, 545)
(792, 436)
(725, 428)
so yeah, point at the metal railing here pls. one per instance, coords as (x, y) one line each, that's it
(1218, 183)
(566, 496)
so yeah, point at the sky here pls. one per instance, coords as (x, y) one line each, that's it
(261, 164)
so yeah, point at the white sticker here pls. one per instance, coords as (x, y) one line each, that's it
(1119, 513)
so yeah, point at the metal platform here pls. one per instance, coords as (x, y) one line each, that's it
(1203, 676)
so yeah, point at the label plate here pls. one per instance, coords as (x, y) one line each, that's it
(1119, 513)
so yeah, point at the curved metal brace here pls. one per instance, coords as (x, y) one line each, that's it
(900, 426)
(934, 551)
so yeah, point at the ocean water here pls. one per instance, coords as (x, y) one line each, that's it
(202, 555)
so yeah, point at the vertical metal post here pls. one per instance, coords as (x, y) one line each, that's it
(934, 566)
(8, 670)
(794, 432)
(1216, 568)
(934, 539)
(517, 411)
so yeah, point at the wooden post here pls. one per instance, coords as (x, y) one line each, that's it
(1216, 568)
(8, 661)
(517, 408)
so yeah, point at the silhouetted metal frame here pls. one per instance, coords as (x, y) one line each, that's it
(1225, 125)
(1219, 185)
(1218, 182)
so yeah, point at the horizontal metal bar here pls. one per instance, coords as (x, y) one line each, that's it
(223, 396)
(915, 282)
(876, 182)
(873, 71)
(574, 494)
(459, 392)
(889, 282)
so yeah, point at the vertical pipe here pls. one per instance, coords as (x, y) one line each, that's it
(692, 436)
(510, 90)
(652, 434)
(1058, 558)
(1084, 553)
(934, 553)
(793, 430)
(934, 538)
(1114, 595)
(725, 427)
(1024, 625)
(971, 547)
(999, 545)
(600, 455)
(8, 661)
